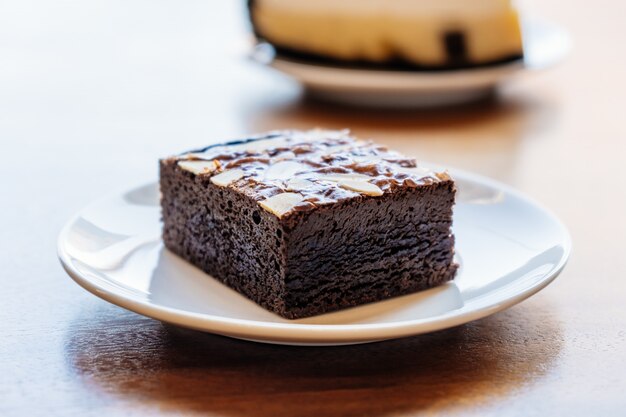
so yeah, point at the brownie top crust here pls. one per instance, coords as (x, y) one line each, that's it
(292, 171)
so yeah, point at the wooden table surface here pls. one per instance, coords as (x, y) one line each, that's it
(92, 93)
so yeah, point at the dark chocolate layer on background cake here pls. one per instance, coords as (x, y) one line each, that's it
(305, 223)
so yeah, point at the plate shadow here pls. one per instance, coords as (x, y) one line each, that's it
(125, 355)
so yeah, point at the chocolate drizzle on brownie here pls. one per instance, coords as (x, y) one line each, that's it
(323, 167)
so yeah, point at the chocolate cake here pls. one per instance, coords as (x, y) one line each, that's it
(305, 223)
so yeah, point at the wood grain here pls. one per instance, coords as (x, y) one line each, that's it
(456, 370)
(91, 94)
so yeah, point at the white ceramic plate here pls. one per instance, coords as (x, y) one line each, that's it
(545, 45)
(508, 248)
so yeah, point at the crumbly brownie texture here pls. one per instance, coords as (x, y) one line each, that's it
(395, 34)
(305, 223)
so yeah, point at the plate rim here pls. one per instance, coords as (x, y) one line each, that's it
(309, 333)
(349, 79)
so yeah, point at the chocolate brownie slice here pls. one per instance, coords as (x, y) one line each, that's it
(305, 223)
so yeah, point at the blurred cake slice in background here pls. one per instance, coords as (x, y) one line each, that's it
(429, 34)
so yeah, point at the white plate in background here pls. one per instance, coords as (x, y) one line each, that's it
(508, 247)
(545, 45)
